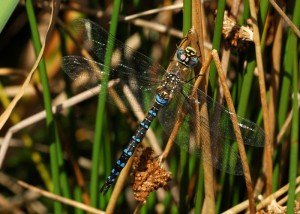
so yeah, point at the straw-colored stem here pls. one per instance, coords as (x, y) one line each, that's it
(263, 98)
(60, 198)
(237, 130)
(285, 17)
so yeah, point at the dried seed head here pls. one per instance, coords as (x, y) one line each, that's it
(148, 175)
(236, 36)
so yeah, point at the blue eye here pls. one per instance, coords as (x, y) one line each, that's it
(187, 56)
(193, 62)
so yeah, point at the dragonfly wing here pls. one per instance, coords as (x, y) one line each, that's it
(220, 118)
(87, 73)
(193, 135)
(209, 123)
(97, 40)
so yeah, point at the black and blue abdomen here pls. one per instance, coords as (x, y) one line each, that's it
(134, 142)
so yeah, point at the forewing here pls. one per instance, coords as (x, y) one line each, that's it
(97, 40)
(88, 73)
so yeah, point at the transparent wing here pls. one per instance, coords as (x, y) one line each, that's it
(212, 127)
(88, 73)
(220, 122)
(97, 40)
(136, 70)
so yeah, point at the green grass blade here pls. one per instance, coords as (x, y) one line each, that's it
(293, 166)
(217, 42)
(7, 8)
(200, 190)
(100, 109)
(184, 159)
(263, 12)
(293, 62)
(59, 177)
(187, 16)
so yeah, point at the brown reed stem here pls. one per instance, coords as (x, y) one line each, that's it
(237, 130)
(262, 87)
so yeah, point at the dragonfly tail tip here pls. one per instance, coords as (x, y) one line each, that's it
(105, 188)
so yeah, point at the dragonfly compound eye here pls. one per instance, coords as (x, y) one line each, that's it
(180, 55)
(187, 56)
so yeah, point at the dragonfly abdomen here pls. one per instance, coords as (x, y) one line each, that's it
(134, 142)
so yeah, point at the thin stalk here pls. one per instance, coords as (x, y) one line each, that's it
(200, 190)
(187, 16)
(210, 198)
(239, 138)
(78, 197)
(59, 178)
(274, 92)
(284, 103)
(263, 12)
(295, 121)
(217, 41)
(285, 89)
(205, 171)
(293, 166)
(94, 188)
(246, 89)
(184, 159)
(263, 98)
(35, 156)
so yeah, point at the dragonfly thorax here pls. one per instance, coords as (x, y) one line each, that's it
(169, 86)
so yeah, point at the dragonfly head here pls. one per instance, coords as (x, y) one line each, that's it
(187, 56)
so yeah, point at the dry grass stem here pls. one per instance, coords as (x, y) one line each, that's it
(12, 91)
(209, 206)
(238, 134)
(198, 26)
(238, 208)
(285, 125)
(263, 97)
(153, 11)
(283, 200)
(285, 17)
(42, 115)
(197, 41)
(274, 87)
(209, 202)
(163, 29)
(61, 199)
(11, 71)
(5, 115)
(82, 9)
(265, 202)
(157, 27)
(138, 208)
(276, 195)
(119, 186)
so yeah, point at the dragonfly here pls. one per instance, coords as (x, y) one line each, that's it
(170, 90)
